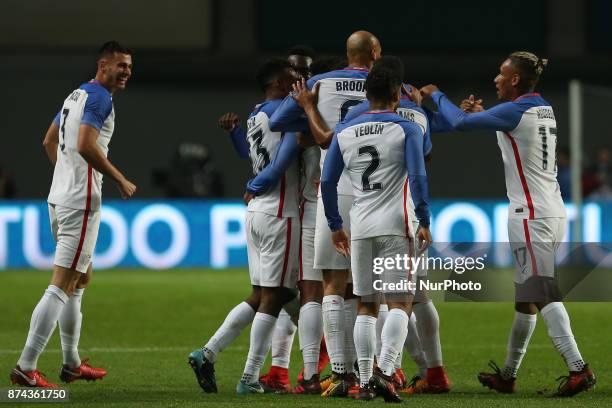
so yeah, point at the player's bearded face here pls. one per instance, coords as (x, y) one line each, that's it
(118, 70)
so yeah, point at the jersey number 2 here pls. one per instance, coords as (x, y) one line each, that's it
(65, 113)
(374, 163)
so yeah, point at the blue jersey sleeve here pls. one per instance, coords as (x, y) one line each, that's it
(417, 176)
(97, 108)
(427, 145)
(56, 119)
(437, 123)
(503, 117)
(272, 173)
(238, 136)
(289, 117)
(332, 170)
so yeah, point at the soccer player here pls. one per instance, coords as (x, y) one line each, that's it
(383, 156)
(340, 91)
(274, 78)
(272, 224)
(428, 353)
(527, 136)
(311, 290)
(77, 145)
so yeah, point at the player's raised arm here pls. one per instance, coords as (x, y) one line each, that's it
(332, 170)
(51, 141)
(502, 117)
(272, 173)
(307, 99)
(88, 148)
(288, 117)
(230, 123)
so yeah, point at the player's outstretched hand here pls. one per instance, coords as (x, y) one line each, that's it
(304, 96)
(247, 197)
(126, 188)
(427, 90)
(424, 240)
(471, 104)
(341, 242)
(413, 93)
(228, 121)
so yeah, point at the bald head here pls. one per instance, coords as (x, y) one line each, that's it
(362, 47)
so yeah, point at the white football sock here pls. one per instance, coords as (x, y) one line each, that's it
(560, 331)
(428, 326)
(43, 322)
(392, 337)
(350, 315)
(235, 321)
(398, 360)
(259, 345)
(282, 340)
(383, 311)
(365, 342)
(311, 331)
(333, 327)
(522, 329)
(70, 328)
(414, 348)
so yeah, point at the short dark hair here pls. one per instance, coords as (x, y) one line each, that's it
(391, 62)
(529, 67)
(270, 71)
(305, 50)
(111, 47)
(326, 64)
(382, 83)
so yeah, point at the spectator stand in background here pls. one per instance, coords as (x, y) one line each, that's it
(191, 174)
(7, 185)
(600, 172)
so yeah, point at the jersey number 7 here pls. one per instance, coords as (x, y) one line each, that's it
(65, 113)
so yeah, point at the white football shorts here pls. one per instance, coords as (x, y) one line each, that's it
(75, 233)
(372, 275)
(533, 244)
(308, 216)
(272, 247)
(326, 256)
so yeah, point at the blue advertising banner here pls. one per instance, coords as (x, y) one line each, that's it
(194, 233)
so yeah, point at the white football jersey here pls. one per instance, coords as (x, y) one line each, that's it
(530, 162)
(75, 183)
(311, 173)
(527, 136)
(281, 200)
(411, 112)
(339, 91)
(373, 148)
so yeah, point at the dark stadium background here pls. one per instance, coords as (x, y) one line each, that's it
(194, 60)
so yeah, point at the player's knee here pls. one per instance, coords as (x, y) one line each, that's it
(83, 280)
(525, 307)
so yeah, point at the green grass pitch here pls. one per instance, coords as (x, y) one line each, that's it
(141, 325)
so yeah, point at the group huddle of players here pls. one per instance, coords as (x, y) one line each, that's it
(338, 151)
